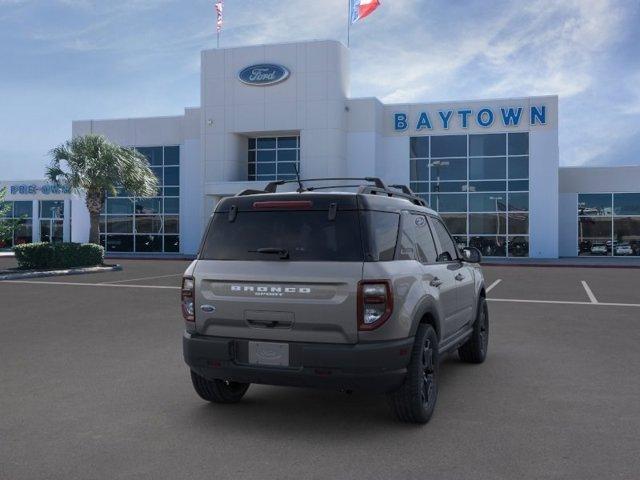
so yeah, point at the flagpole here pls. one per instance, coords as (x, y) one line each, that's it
(348, 22)
(218, 39)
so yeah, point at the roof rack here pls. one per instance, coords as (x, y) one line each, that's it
(375, 187)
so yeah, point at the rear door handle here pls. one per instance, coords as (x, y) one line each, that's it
(436, 282)
(459, 277)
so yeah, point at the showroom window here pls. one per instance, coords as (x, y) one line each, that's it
(609, 224)
(20, 215)
(480, 186)
(51, 220)
(273, 158)
(146, 224)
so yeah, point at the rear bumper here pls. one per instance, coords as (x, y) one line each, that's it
(373, 367)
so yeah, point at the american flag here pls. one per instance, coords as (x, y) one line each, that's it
(219, 6)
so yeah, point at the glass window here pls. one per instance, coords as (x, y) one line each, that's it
(487, 168)
(425, 245)
(519, 202)
(172, 243)
(449, 169)
(172, 191)
(6, 209)
(51, 209)
(519, 185)
(519, 246)
(419, 187)
(382, 228)
(119, 224)
(172, 176)
(518, 144)
(120, 205)
(419, 147)
(487, 145)
(266, 168)
(594, 204)
(172, 155)
(287, 142)
(449, 146)
(419, 170)
(446, 187)
(487, 186)
(593, 235)
(447, 247)
(287, 155)
(487, 223)
(626, 203)
(148, 224)
(266, 143)
(148, 243)
(171, 205)
(22, 208)
(23, 233)
(626, 236)
(153, 154)
(518, 167)
(518, 223)
(487, 202)
(265, 157)
(157, 171)
(456, 223)
(148, 205)
(103, 224)
(119, 243)
(449, 202)
(171, 224)
(493, 246)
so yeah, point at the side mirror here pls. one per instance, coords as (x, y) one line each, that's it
(471, 255)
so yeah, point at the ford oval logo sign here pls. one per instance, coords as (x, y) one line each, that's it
(263, 74)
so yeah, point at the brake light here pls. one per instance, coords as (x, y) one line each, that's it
(375, 303)
(283, 204)
(187, 299)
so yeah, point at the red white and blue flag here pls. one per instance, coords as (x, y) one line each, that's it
(219, 7)
(361, 8)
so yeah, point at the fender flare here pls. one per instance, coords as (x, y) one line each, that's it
(427, 306)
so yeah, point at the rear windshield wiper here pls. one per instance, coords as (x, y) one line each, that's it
(282, 252)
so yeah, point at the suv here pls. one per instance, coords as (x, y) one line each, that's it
(361, 290)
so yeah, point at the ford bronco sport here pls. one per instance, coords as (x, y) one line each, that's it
(361, 290)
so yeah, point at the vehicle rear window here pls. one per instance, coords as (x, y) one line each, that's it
(304, 235)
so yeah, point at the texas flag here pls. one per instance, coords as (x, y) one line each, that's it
(362, 8)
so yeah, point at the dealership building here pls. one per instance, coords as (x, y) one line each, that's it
(490, 167)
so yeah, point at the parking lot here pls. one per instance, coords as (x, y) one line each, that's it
(93, 386)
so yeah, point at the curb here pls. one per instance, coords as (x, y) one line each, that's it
(57, 273)
(558, 265)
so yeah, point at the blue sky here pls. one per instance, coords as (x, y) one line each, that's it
(62, 60)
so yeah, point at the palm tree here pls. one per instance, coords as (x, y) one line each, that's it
(94, 166)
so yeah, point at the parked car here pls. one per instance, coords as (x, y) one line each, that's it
(624, 249)
(352, 291)
(599, 249)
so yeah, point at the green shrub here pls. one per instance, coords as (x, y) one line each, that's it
(58, 255)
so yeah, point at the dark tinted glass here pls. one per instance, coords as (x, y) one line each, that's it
(171, 205)
(449, 202)
(448, 250)
(117, 224)
(594, 204)
(626, 203)
(382, 234)
(171, 155)
(518, 246)
(148, 243)
(157, 171)
(519, 185)
(172, 243)
(448, 187)
(518, 144)
(487, 145)
(287, 168)
(518, 223)
(171, 224)
(153, 154)
(456, 223)
(266, 168)
(449, 169)
(487, 168)
(266, 143)
(419, 170)
(171, 191)
(266, 156)
(120, 205)
(419, 147)
(487, 202)
(306, 235)
(22, 209)
(148, 205)
(52, 209)
(487, 223)
(287, 155)
(148, 224)
(449, 146)
(172, 176)
(420, 187)
(425, 245)
(287, 142)
(119, 243)
(519, 201)
(252, 143)
(518, 167)
(490, 246)
(487, 186)
(593, 234)
(626, 231)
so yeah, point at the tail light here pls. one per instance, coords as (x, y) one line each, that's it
(187, 294)
(375, 303)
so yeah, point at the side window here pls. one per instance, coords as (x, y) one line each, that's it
(425, 246)
(448, 252)
(407, 243)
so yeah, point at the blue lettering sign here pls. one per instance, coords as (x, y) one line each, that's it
(400, 121)
(263, 74)
(511, 116)
(485, 117)
(464, 117)
(445, 116)
(423, 121)
(539, 115)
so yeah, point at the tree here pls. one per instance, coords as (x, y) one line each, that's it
(6, 225)
(92, 165)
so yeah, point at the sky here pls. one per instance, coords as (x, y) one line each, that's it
(64, 60)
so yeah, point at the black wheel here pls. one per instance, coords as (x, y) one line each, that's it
(416, 399)
(218, 391)
(474, 350)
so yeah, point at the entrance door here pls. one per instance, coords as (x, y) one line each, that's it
(51, 221)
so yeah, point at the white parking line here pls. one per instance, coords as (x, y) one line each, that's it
(142, 278)
(563, 302)
(491, 287)
(79, 284)
(590, 294)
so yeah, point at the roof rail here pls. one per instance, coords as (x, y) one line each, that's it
(376, 187)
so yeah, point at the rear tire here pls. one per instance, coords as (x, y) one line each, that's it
(415, 400)
(218, 391)
(475, 349)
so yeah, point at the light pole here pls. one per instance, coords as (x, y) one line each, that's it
(438, 164)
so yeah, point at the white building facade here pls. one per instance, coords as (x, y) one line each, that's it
(489, 167)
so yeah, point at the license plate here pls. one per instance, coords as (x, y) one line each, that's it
(269, 353)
